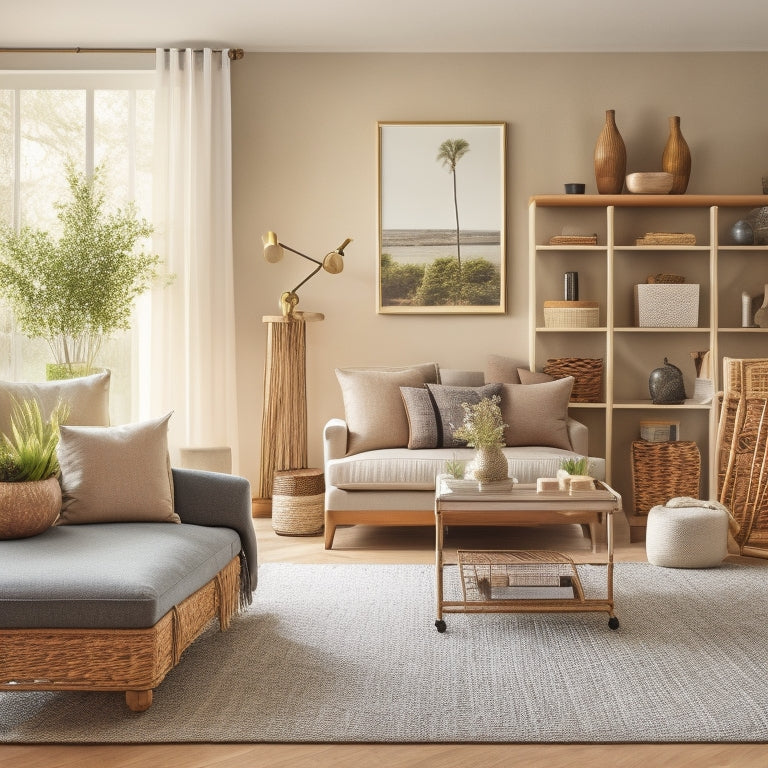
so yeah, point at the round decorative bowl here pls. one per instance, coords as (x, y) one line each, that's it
(28, 508)
(650, 183)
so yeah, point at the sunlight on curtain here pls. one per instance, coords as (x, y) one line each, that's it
(191, 353)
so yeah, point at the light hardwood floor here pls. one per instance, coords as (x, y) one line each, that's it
(404, 545)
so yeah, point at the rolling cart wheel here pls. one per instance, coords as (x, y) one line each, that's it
(440, 624)
(613, 622)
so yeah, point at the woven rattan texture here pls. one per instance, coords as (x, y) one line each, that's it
(742, 441)
(661, 471)
(298, 502)
(587, 374)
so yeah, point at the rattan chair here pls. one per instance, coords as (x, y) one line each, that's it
(742, 442)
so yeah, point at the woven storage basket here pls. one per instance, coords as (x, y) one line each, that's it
(587, 374)
(661, 471)
(298, 502)
(571, 314)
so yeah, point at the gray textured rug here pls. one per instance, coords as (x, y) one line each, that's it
(339, 653)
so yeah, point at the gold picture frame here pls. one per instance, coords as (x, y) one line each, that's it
(442, 218)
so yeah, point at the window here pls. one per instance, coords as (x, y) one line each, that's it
(95, 119)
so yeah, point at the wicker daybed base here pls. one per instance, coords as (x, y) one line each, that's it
(130, 660)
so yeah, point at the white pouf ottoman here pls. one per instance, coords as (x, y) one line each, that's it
(687, 536)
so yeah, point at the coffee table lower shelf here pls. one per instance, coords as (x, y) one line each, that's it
(526, 581)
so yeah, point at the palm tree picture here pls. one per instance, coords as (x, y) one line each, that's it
(441, 247)
(451, 151)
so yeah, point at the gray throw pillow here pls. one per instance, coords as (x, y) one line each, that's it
(537, 414)
(422, 419)
(450, 413)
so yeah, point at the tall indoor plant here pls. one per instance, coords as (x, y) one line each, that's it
(79, 289)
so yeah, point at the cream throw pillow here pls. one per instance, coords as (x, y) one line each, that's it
(87, 397)
(536, 414)
(116, 474)
(373, 407)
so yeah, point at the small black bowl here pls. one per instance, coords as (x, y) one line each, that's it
(575, 189)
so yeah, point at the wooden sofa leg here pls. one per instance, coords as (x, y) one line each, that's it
(330, 532)
(138, 701)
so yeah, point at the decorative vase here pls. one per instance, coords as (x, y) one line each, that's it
(666, 385)
(742, 233)
(610, 157)
(490, 464)
(761, 316)
(677, 158)
(27, 509)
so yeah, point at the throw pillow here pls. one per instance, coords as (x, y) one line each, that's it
(533, 377)
(502, 369)
(422, 419)
(450, 413)
(373, 407)
(87, 397)
(116, 474)
(536, 414)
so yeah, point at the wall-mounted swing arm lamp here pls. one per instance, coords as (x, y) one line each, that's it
(332, 262)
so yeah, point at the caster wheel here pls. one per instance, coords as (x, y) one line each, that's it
(440, 625)
(613, 622)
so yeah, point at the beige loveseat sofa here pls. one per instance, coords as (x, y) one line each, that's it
(382, 458)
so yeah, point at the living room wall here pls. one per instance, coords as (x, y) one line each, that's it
(305, 165)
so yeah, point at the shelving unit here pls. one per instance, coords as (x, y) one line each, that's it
(608, 272)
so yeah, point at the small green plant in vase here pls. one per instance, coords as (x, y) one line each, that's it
(575, 467)
(483, 429)
(455, 468)
(30, 495)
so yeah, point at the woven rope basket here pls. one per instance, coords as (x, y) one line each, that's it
(661, 471)
(587, 374)
(298, 502)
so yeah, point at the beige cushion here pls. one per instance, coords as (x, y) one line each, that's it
(499, 368)
(116, 474)
(87, 397)
(533, 377)
(536, 414)
(450, 413)
(373, 407)
(422, 421)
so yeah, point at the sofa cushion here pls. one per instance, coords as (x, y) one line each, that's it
(422, 421)
(400, 469)
(116, 474)
(373, 406)
(87, 398)
(110, 575)
(499, 368)
(537, 414)
(450, 413)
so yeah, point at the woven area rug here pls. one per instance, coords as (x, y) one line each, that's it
(344, 653)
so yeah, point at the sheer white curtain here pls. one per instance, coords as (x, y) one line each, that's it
(191, 355)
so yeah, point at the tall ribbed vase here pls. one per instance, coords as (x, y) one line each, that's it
(610, 157)
(677, 158)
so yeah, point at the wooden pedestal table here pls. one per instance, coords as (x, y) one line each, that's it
(520, 581)
(284, 424)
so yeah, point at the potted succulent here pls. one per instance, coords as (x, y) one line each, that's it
(30, 494)
(483, 429)
(79, 289)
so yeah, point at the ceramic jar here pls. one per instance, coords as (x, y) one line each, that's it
(676, 158)
(610, 157)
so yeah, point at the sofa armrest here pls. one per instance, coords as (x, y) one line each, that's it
(213, 499)
(578, 434)
(334, 440)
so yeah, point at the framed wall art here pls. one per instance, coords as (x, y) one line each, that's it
(442, 218)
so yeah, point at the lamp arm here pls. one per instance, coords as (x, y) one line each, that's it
(311, 274)
(303, 255)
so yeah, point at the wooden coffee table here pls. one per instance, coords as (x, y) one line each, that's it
(504, 581)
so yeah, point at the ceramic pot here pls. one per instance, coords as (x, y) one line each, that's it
(610, 157)
(490, 464)
(666, 385)
(676, 158)
(742, 233)
(27, 509)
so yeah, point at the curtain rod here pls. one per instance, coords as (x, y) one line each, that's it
(235, 54)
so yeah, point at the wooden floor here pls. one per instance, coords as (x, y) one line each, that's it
(404, 545)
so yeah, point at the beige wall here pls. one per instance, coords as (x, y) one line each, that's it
(304, 132)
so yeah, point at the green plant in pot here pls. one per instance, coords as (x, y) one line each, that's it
(30, 494)
(483, 429)
(79, 289)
